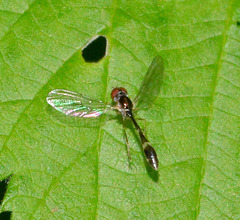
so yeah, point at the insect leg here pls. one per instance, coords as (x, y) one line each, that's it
(127, 143)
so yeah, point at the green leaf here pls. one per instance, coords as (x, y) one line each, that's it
(67, 168)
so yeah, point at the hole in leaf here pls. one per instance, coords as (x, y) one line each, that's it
(95, 49)
(5, 215)
(3, 188)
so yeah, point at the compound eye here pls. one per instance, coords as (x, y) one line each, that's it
(114, 93)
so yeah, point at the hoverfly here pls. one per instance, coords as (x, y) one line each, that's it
(78, 105)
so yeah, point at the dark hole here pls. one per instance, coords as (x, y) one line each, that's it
(5, 215)
(238, 23)
(95, 50)
(3, 188)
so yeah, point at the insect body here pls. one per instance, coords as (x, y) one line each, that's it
(78, 105)
(124, 105)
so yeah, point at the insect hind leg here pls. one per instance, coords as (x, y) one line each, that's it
(127, 143)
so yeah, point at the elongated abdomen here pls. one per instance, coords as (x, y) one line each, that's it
(151, 155)
(148, 150)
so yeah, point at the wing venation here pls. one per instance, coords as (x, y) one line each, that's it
(76, 104)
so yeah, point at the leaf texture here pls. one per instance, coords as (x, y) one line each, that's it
(66, 168)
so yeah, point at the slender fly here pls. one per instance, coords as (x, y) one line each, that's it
(78, 105)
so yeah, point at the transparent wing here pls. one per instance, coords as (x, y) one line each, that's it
(151, 84)
(75, 104)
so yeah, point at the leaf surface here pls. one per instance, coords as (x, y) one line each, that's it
(68, 168)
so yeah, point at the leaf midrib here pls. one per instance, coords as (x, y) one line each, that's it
(110, 32)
